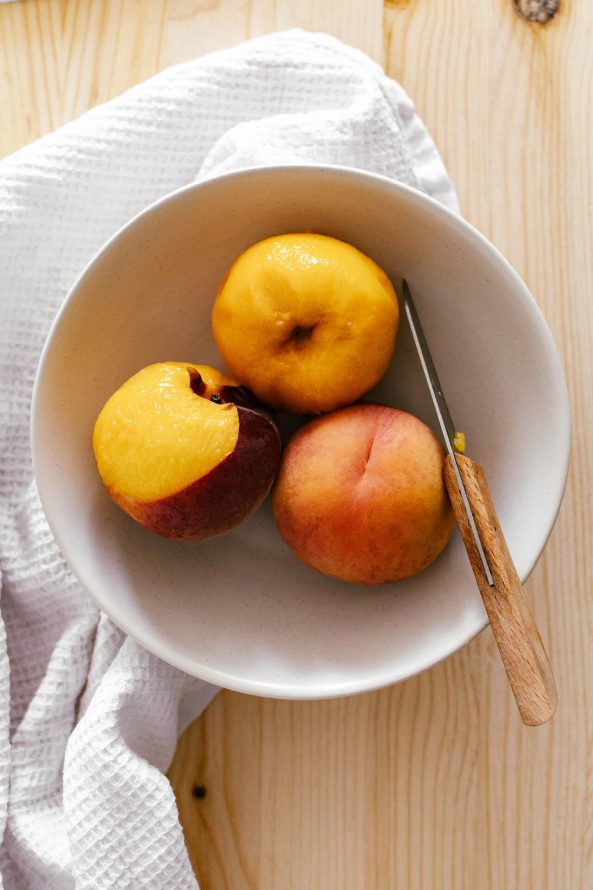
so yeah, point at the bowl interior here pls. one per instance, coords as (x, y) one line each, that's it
(241, 610)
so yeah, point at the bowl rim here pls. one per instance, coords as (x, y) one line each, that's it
(445, 215)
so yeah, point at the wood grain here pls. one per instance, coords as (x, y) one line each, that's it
(509, 611)
(60, 57)
(433, 784)
(200, 26)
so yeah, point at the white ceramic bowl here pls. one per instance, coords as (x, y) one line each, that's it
(241, 610)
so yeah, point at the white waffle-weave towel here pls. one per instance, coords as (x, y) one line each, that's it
(88, 719)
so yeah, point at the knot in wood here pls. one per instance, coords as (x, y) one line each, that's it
(539, 11)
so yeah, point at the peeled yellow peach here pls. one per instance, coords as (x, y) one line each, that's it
(185, 450)
(360, 495)
(307, 322)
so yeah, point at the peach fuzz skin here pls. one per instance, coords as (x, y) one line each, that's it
(360, 495)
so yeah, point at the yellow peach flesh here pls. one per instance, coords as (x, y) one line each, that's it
(306, 321)
(155, 436)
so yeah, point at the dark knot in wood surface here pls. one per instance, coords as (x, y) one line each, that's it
(539, 11)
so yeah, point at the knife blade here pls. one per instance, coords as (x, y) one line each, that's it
(448, 431)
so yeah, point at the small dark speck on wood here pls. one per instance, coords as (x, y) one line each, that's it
(539, 11)
(199, 792)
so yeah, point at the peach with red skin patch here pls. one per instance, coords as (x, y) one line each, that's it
(216, 502)
(360, 495)
(185, 450)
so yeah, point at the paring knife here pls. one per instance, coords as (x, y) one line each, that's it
(511, 617)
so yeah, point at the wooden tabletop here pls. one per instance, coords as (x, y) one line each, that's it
(433, 784)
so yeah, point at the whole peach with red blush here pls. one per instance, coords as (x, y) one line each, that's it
(360, 495)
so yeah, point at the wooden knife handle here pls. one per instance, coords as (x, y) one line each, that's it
(511, 617)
